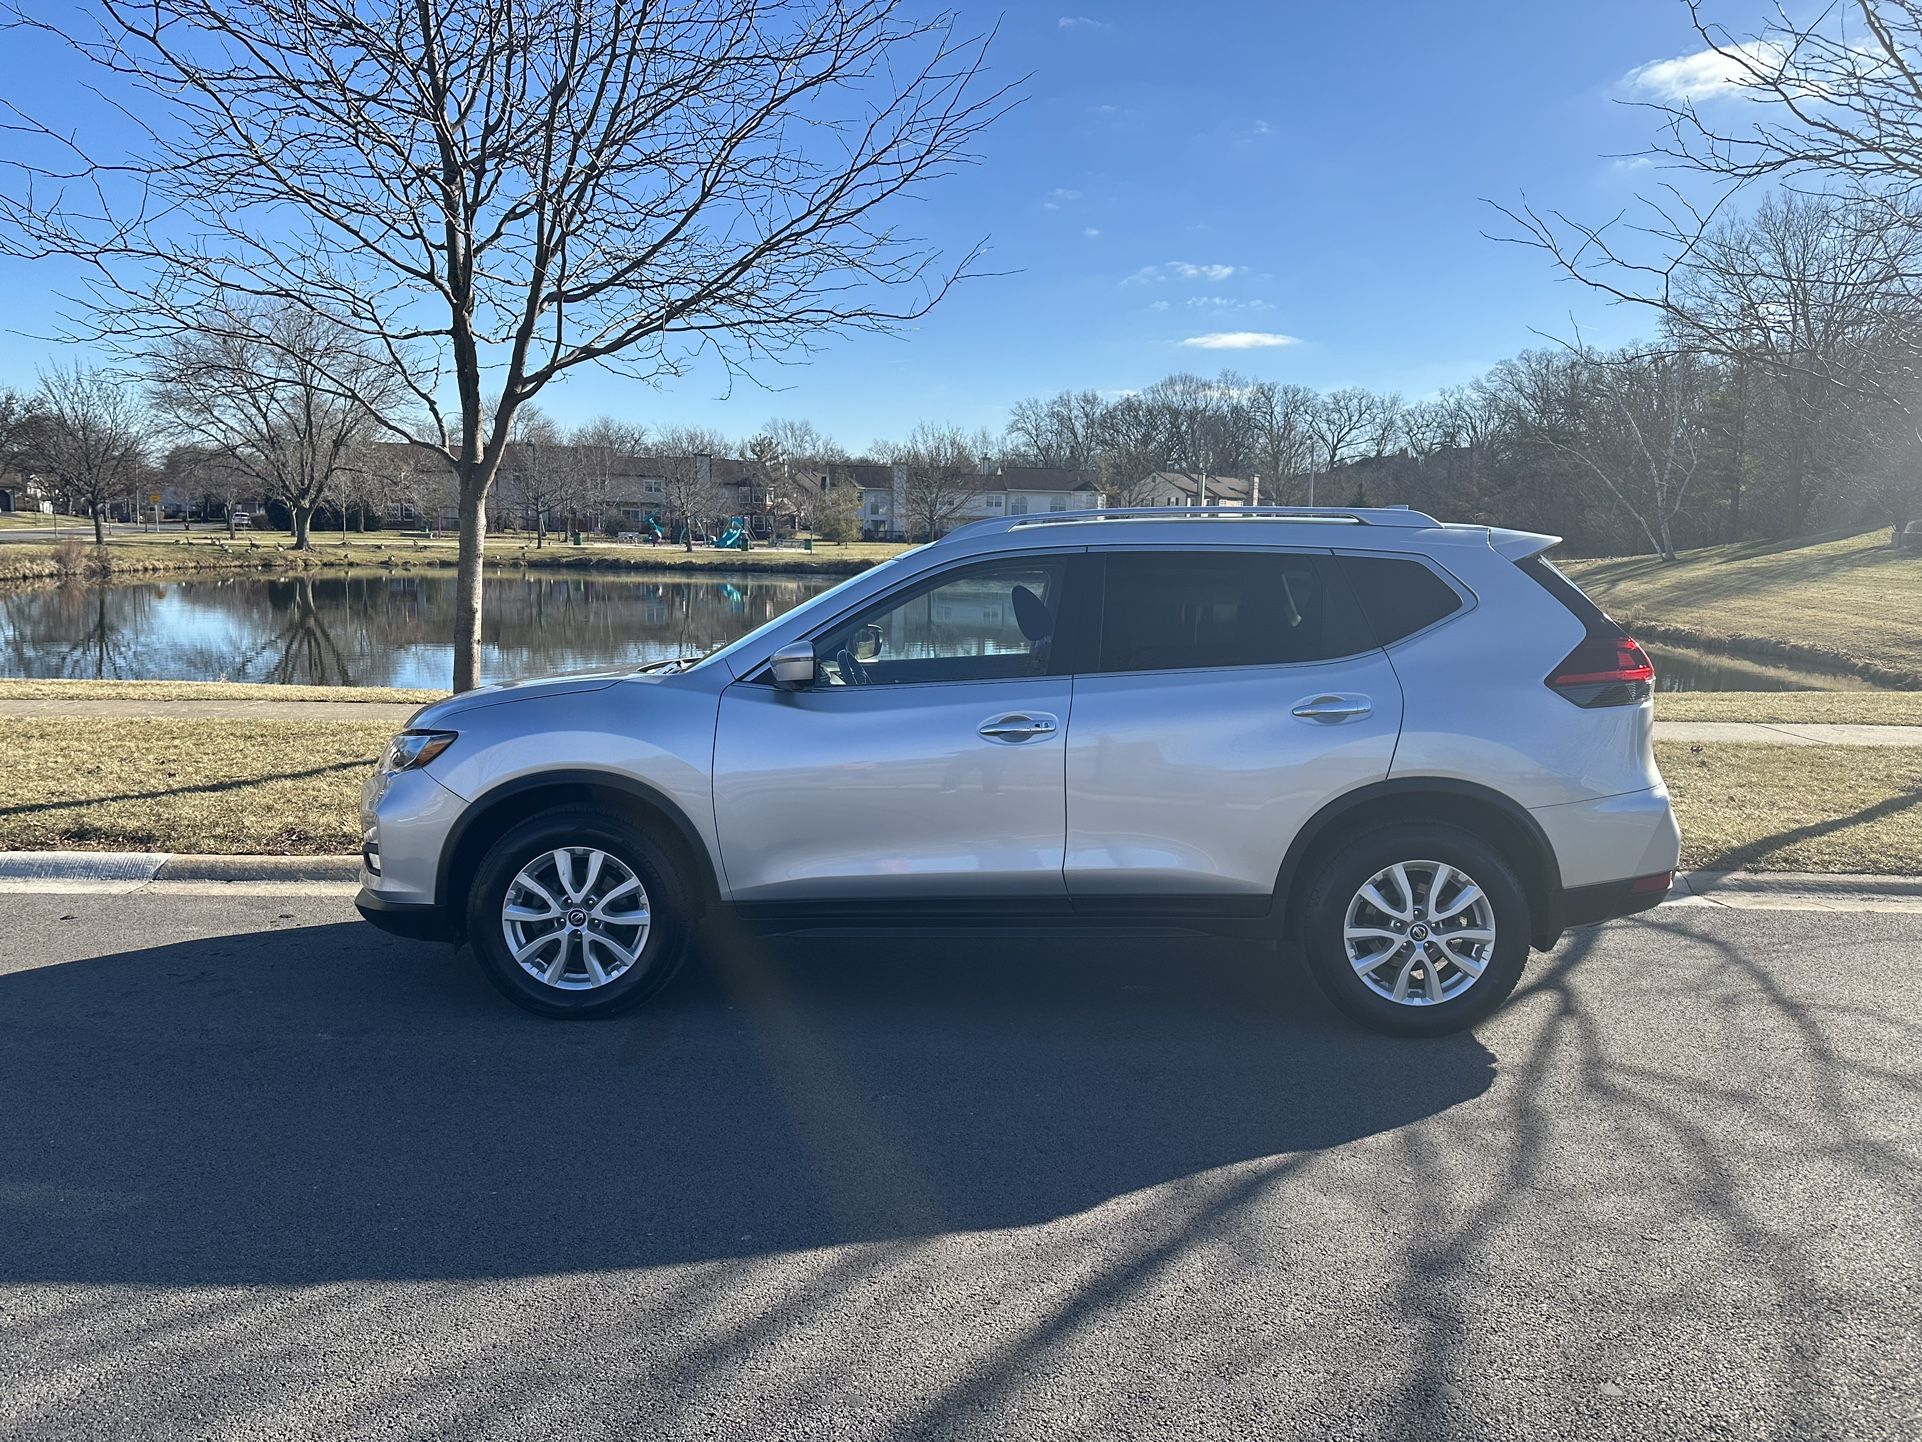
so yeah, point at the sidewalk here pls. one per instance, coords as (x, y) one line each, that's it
(396, 712)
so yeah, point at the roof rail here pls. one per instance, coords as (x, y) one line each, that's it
(1400, 516)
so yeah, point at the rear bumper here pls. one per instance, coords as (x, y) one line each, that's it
(416, 921)
(1586, 905)
(1611, 838)
(1615, 856)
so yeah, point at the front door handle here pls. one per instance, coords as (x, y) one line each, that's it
(1333, 708)
(1018, 726)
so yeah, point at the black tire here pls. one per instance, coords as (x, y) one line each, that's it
(1338, 878)
(670, 913)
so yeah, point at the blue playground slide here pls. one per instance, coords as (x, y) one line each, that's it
(734, 538)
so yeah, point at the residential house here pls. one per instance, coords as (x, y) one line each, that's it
(1179, 488)
(887, 511)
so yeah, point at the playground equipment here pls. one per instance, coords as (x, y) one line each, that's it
(651, 528)
(734, 538)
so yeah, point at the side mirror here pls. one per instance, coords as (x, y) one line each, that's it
(868, 643)
(793, 666)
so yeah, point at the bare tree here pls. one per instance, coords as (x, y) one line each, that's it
(1282, 418)
(941, 474)
(601, 447)
(798, 459)
(1202, 424)
(95, 437)
(500, 191)
(538, 473)
(692, 500)
(1341, 419)
(1134, 450)
(284, 394)
(1634, 420)
(1065, 430)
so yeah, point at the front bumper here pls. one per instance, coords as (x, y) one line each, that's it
(417, 921)
(405, 820)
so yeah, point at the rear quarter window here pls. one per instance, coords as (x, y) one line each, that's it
(1175, 610)
(1398, 597)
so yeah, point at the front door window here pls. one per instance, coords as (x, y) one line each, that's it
(985, 623)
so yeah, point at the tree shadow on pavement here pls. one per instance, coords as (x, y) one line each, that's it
(326, 1103)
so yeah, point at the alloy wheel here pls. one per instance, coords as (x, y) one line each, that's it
(1419, 933)
(576, 918)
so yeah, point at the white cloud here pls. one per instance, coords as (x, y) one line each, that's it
(1239, 340)
(1159, 305)
(1702, 76)
(1081, 22)
(1092, 233)
(1182, 270)
(1187, 270)
(1058, 197)
(1225, 302)
(1262, 127)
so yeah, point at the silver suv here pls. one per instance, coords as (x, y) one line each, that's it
(1407, 751)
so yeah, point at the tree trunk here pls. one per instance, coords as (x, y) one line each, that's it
(540, 529)
(303, 522)
(467, 582)
(99, 530)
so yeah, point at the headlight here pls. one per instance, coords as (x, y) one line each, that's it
(414, 748)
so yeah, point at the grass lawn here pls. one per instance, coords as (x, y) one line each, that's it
(220, 787)
(1797, 808)
(1858, 708)
(239, 787)
(1852, 598)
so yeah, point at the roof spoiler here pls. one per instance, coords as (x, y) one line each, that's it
(1520, 545)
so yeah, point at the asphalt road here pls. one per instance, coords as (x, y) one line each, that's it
(265, 1173)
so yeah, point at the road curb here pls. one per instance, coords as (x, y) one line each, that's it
(21, 869)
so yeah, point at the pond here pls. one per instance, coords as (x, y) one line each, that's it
(383, 629)
(1680, 669)
(389, 629)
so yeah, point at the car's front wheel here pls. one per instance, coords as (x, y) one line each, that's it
(578, 913)
(1416, 930)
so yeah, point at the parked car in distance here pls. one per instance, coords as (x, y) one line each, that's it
(240, 520)
(1405, 750)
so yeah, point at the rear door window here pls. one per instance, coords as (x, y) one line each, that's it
(1178, 610)
(1398, 596)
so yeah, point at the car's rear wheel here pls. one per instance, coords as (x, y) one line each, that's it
(1416, 930)
(578, 913)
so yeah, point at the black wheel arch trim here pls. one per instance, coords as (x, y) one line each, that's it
(706, 881)
(1547, 924)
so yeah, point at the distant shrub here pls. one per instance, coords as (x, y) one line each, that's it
(70, 556)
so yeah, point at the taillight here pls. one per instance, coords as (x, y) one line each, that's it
(1604, 671)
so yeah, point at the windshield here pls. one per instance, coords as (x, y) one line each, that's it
(826, 601)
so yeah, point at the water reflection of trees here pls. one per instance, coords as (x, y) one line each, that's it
(373, 629)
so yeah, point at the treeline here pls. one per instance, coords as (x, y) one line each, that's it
(1781, 399)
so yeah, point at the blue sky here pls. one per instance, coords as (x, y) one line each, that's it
(1208, 170)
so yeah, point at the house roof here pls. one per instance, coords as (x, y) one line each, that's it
(1044, 478)
(1220, 488)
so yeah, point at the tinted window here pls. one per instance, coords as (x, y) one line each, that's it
(1166, 610)
(984, 623)
(1398, 597)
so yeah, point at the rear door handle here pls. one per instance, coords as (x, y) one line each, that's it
(1333, 708)
(1018, 726)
